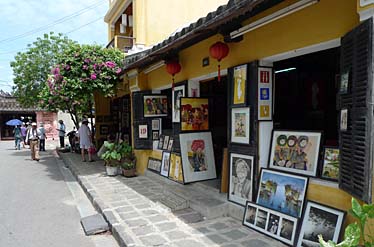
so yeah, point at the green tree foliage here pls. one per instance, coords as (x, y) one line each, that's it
(31, 68)
(81, 71)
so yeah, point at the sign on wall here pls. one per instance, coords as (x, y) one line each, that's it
(265, 93)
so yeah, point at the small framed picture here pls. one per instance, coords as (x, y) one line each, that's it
(104, 130)
(240, 125)
(155, 124)
(154, 165)
(155, 135)
(320, 220)
(143, 131)
(166, 143)
(330, 163)
(161, 142)
(344, 82)
(344, 119)
(170, 145)
(240, 86)
(165, 164)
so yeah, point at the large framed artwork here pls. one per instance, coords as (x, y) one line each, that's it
(240, 125)
(197, 156)
(154, 165)
(295, 151)
(165, 164)
(241, 178)
(282, 192)
(176, 169)
(320, 220)
(277, 225)
(155, 105)
(331, 163)
(240, 86)
(178, 93)
(194, 114)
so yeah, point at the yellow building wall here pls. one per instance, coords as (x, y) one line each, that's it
(312, 25)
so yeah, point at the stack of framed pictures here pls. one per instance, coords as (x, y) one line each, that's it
(165, 143)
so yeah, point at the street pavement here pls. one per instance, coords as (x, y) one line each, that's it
(37, 206)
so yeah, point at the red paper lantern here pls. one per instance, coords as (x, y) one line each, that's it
(219, 51)
(173, 67)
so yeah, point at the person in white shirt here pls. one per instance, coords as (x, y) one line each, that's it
(33, 136)
(42, 137)
(61, 133)
(85, 141)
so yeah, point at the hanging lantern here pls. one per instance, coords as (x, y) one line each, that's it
(173, 67)
(219, 51)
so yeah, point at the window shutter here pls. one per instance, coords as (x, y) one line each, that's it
(356, 152)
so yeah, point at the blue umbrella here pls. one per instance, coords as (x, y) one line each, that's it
(14, 122)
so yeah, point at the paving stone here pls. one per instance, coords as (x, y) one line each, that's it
(137, 222)
(143, 230)
(153, 240)
(168, 226)
(126, 216)
(142, 206)
(234, 234)
(157, 218)
(183, 211)
(255, 243)
(94, 224)
(218, 226)
(203, 230)
(122, 236)
(174, 235)
(149, 212)
(217, 238)
(191, 218)
(187, 243)
(117, 204)
(124, 209)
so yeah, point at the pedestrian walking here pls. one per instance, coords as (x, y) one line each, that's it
(23, 133)
(17, 137)
(85, 141)
(61, 133)
(71, 135)
(42, 137)
(32, 136)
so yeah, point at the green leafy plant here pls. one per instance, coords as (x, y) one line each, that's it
(119, 154)
(129, 161)
(355, 232)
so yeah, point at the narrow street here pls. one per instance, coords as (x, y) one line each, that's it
(37, 206)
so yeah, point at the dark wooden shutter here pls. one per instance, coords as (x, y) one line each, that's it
(139, 119)
(356, 150)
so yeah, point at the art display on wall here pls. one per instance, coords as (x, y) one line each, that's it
(170, 145)
(241, 178)
(240, 85)
(320, 220)
(156, 124)
(178, 93)
(166, 143)
(161, 142)
(344, 82)
(265, 96)
(155, 135)
(194, 114)
(154, 165)
(176, 169)
(240, 125)
(343, 119)
(165, 164)
(143, 131)
(331, 163)
(282, 192)
(277, 225)
(295, 151)
(197, 156)
(155, 105)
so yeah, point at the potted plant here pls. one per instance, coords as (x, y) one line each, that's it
(129, 161)
(112, 157)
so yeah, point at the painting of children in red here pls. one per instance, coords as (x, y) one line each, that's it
(194, 114)
(155, 105)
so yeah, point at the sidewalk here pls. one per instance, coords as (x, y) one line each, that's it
(137, 218)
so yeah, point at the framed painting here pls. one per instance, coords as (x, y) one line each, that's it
(240, 86)
(344, 82)
(295, 151)
(177, 94)
(170, 145)
(344, 119)
(155, 105)
(155, 124)
(197, 156)
(143, 131)
(161, 142)
(241, 178)
(277, 225)
(194, 114)
(320, 219)
(276, 188)
(154, 165)
(104, 129)
(331, 163)
(176, 169)
(265, 93)
(166, 143)
(240, 125)
(155, 135)
(165, 164)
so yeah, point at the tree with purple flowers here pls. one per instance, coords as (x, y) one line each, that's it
(81, 71)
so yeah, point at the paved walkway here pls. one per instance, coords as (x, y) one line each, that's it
(137, 218)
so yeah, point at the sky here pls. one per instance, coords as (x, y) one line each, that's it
(22, 21)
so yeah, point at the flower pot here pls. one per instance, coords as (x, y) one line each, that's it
(129, 172)
(111, 170)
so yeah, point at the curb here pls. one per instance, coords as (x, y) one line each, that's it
(98, 204)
